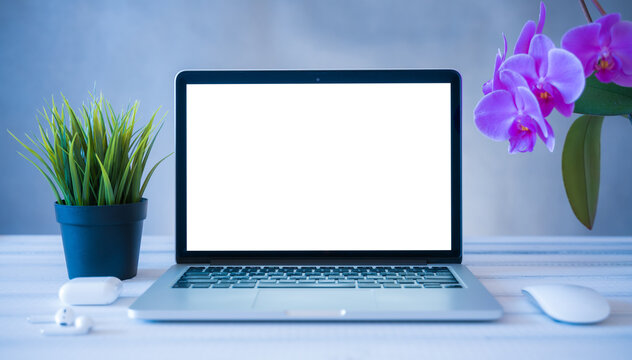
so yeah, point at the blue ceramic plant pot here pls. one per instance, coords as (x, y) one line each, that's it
(102, 240)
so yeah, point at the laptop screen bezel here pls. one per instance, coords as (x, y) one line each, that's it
(184, 256)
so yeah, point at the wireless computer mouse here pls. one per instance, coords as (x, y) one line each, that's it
(569, 303)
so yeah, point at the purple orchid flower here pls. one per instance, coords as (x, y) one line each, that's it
(603, 47)
(529, 30)
(500, 58)
(522, 46)
(555, 76)
(512, 113)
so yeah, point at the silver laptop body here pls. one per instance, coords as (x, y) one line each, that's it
(318, 195)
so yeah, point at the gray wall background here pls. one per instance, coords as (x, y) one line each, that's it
(132, 50)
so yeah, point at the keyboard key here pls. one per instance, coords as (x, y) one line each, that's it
(366, 285)
(391, 286)
(326, 282)
(201, 285)
(406, 282)
(435, 281)
(181, 285)
(196, 281)
(432, 286)
(413, 286)
(346, 282)
(297, 285)
(195, 277)
(244, 285)
(221, 285)
(453, 286)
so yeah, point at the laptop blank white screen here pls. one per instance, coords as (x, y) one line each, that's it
(318, 167)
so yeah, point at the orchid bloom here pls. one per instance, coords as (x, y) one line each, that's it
(522, 46)
(529, 30)
(555, 76)
(512, 113)
(500, 59)
(603, 47)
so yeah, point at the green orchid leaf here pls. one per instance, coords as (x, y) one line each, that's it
(581, 159)
(604, 99)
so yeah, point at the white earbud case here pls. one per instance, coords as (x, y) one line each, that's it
(101, 290)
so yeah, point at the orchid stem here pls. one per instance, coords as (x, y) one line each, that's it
(599, 7)
(585, 10)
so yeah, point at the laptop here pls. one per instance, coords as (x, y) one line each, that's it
(318, 195)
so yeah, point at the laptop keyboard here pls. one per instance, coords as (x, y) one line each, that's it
(388, 277)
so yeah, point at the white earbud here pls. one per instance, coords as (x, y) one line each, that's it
(83, 325)
(63, 317)
(68, 324)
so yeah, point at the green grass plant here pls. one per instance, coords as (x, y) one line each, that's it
(94, 156)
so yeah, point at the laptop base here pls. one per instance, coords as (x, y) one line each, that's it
(162, 302)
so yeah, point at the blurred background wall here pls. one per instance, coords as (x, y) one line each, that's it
(132, 50)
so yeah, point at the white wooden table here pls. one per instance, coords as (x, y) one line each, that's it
(33, 269)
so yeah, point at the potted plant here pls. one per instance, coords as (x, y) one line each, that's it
(590, 74)
(94, 160)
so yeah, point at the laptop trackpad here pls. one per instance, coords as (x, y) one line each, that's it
(325, 301)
